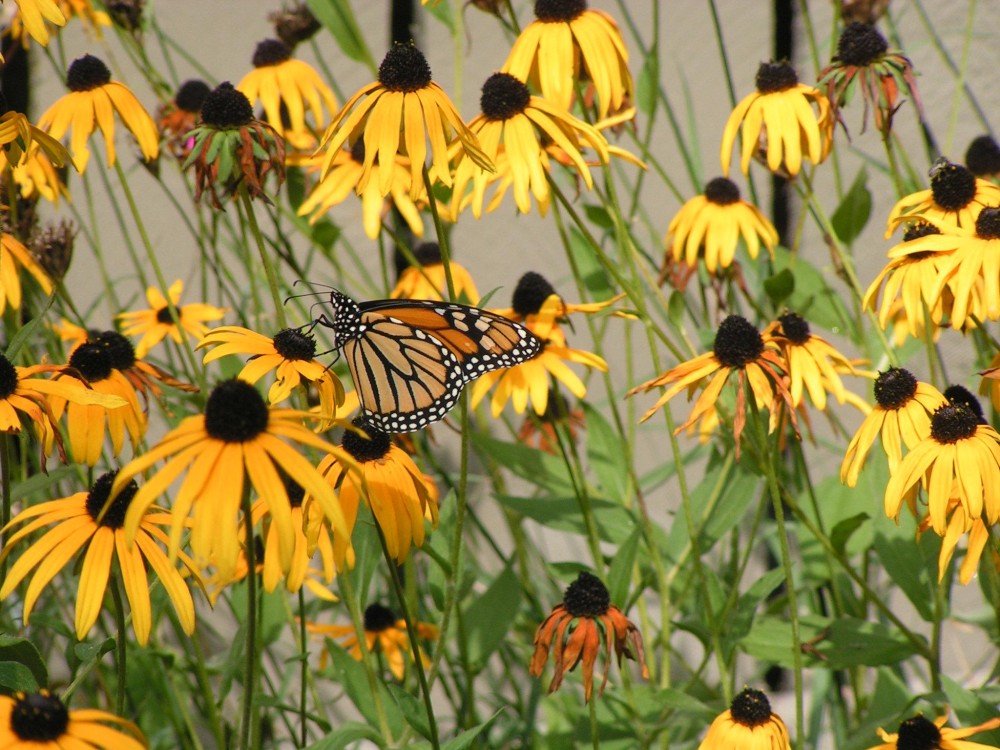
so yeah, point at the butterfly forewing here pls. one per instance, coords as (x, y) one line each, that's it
(411, 358)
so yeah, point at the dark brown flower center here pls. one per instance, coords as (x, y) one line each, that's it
(361, 448)
(294, 24)
(952, 185)
(378, 618)
(87, 73)
(737, 342)
(92, 361)
(97, 499)
(404, 68)
(894, 388)
(953, 422)
(295, 491)
(918, 733)
(235, 412)
(503, 97)
(919, 229)
(8, 378)
(860, 44)
(38, 717)
(191, 95)
(587, 596)
(775, 76)
(427, 253)
(271, 52)
(358, 151)
(750, 708)
(127, 13)
(292, 344)
(959, 394)
(119, 348)
(722, 191)
(794, 327)
(551, 11)
(983, 156)
(530, 294)
(988, 223)
(226, 107)
(163, 316)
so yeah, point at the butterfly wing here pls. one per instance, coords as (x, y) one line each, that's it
(412, 358)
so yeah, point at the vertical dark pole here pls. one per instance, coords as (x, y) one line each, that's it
(402, 21)
(14, 77)
(784, 49)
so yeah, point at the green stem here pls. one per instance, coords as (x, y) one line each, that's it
(6, 456)
(303, 667)
(265, 259)
(249, 735)
(120, 645)
(595, 729)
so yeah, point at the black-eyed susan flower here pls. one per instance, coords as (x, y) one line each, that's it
(814, 365)
(86, 522)
(383, 477)
(954, 199)
(179, 117)
(959, 524)
(144, 376)
(982, 157)
(158, 322)
(516, 123)
(427, 279)
(40, 721)
(738, 348)
(748, 724)
(290, 88)
(960, 459)
(92, 102)
(237, 438)
(290, 354)
(14, 258)
(864, 61)
(920, 733)
(569, 45)
(785, 119)
(385, 635)
(578, 628)
(342, 179)
(539, 308)
(18, 137)
(710, 226)
(399, 113)
(37, 177)
(232, 149)
(86, 424)
(901, 416)
(32, 17)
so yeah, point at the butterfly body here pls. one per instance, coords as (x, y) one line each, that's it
(410, 359)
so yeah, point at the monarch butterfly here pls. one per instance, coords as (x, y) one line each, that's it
(410, 358)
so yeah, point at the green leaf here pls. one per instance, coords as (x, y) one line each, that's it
(604, 450)
(21, 651)
(539, 468)
(27, 331)
(843, 531)
(351, 675)
(910, 568)
(854, 210)
(614, 523)
(812, 297)
(489, 616)
(443, 13)
(412, 708)
(15, 677)
(466, 738)
(598, 215)
(645, 86)
(620, 570)
(338, 18)
(346, 734)
(780, 286)
(594, 276)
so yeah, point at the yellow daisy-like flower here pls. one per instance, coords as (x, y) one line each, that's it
(539, 308)
(779, 118)
(953, 201)
(578, 628)
(36, 176)
(959, 525)
(290, 354)
(342, 178)
(384, 634)
(40, 721)
(814, 365)
(18, 138)
(902, 416)
(145, 377)
(13, 257)
(158, 322)
(920, 733)
(33, 15)
(90, 365)
(567, 45)
(238, 437)
(738, 348)
(385, 479)
(88, 520)
(30, 24)
(398, 113)
(428, 280)
(289, 87)
(514, 121)
(748, 724)
(710, 226)
(960, 459)
(92, 102)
